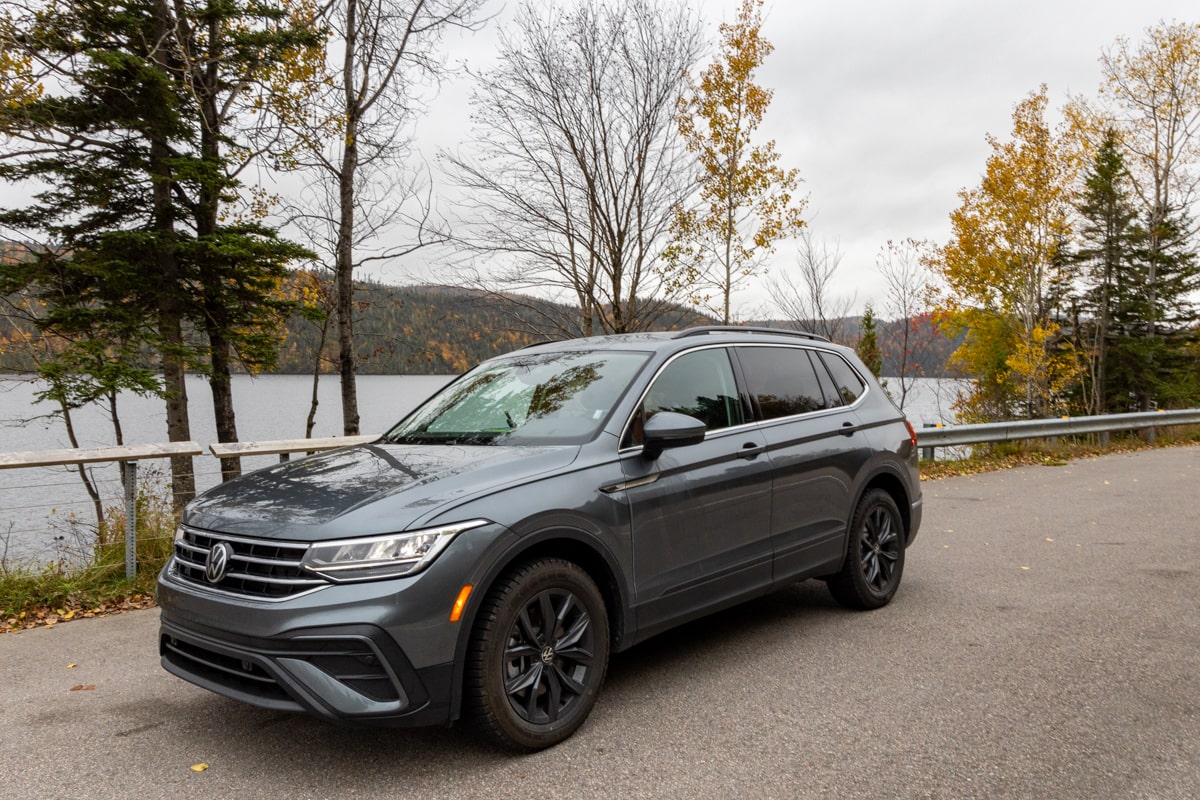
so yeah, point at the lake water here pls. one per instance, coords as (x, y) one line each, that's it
(36, 505)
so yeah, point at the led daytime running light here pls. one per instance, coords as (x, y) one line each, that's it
(377, 557)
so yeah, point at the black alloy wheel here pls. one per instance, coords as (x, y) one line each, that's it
(874, 561)
(538, 656)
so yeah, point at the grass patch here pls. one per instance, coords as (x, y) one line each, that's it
(74, 587)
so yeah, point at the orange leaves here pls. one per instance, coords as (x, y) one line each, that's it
(18, 85)
(48, 617)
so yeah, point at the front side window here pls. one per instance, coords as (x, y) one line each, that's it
(699, 384)
(530, 398)
(783, 381)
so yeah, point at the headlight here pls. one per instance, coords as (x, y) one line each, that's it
(374, 557)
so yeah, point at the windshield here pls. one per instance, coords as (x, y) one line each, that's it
(543, 398)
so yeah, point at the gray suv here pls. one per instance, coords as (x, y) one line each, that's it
(484, 557)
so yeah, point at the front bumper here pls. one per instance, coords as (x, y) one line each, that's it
(349, 674)
(372, 653)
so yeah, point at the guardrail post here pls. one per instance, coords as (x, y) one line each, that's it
(130, 469)
(928, 453)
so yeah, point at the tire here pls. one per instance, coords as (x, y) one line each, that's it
(538, 655)
(874, 563)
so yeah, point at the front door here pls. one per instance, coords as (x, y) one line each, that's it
(701, 513)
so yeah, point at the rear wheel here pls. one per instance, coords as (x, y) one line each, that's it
(874, 561)
(538, 655)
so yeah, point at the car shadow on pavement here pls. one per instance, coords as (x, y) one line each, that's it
(298, 746)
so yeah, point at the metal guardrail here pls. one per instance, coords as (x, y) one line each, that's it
(958, 435)
(285, 447)
(126, 456)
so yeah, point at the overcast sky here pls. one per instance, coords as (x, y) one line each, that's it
(884, 106)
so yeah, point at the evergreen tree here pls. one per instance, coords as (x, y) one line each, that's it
(1106, 253)
(106, 264)
(868, 343)
(133, 248)
(1153, 336)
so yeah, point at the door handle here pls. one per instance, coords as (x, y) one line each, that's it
(848, 429)
(750, 450)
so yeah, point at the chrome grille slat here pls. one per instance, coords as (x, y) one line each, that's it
(279, 562)
(190, 548)
(264, 569)
(244, 576)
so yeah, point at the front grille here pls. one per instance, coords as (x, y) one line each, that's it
(262, 568)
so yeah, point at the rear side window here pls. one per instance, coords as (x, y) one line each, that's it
(850, 386)
(783, 381)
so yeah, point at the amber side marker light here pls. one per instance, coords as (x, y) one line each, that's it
(460, 603)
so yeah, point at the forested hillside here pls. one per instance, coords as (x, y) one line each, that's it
(443, 330)
(435, 329)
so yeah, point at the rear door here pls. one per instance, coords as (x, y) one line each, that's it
(700, 513)
(816, 450)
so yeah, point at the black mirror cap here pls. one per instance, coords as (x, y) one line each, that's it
(670, 429)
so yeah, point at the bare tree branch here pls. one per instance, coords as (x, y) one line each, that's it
(804, 295)
(581, 163)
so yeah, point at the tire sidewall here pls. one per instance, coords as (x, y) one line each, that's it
(873, 499)
(524, 584)
(850, 586)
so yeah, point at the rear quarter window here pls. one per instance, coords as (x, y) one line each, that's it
(848, 383)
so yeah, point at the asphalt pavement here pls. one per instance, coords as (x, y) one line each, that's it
(1045, 643)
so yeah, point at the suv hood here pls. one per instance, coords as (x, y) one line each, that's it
(366, 489)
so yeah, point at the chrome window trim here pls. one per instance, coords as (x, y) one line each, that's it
(868, 388)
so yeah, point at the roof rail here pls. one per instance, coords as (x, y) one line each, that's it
(707, 329)
(536, 344)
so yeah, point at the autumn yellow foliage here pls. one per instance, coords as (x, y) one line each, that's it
(747, 202)
(1001, 270)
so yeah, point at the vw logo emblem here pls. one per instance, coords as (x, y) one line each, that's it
(218, 561)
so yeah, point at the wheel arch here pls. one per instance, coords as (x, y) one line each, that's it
(568, 544)
(891, 483)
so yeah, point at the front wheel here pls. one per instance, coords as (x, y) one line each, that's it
(538, 655)
(874, 561)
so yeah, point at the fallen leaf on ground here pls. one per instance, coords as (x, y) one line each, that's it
(84, 688)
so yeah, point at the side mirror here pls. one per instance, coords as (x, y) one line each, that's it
(670, 429)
